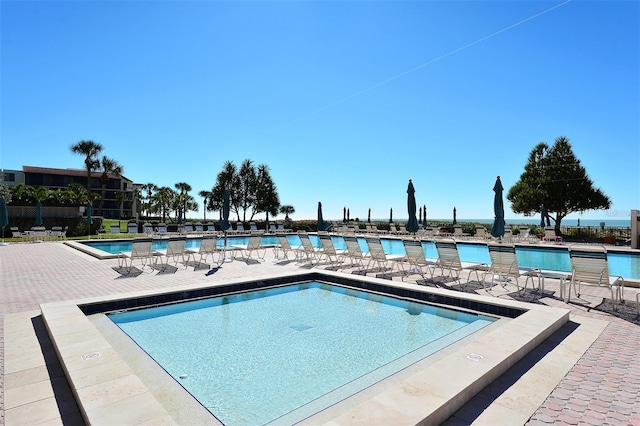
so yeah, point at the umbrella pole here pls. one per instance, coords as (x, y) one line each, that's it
(224, 250)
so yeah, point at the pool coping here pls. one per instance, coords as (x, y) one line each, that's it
(108, 391)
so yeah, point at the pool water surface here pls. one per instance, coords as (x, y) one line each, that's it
(282, 354)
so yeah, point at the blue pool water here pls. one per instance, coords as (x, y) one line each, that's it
(285, 353)
(626, 265)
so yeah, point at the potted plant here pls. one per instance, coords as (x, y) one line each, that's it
(610, 238)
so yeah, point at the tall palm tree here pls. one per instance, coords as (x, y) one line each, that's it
(90, 150)
(150, 189)
(183, 197)
(121, 196)
(108, 166)
(163, 201)
(207, 195)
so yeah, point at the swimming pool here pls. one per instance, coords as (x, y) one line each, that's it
(552, 258)
(285, 353)
(428, 391)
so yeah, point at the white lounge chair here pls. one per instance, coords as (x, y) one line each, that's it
(374, 230)
(240, 228)
(310, 251)
(161, 229)
(208, 247)
(354, 252)
(353, 229)
(414, 260)
(328, 251)
(285, 247)
(147, 229)
(449, 260)
(378, 256)
(132, 228)
(428, 232)
(253, 245)
(402, 230)
(198, 228)
(589, 266)
(39, 233)
(481, 233)
(115, 229)
(141, 249)
(16, 233)
(281, 228)
(175, 251)
(457, 232)
(57, 233)
(504, 265)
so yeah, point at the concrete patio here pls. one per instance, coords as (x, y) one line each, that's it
(588, 372)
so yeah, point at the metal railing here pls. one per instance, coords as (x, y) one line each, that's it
(597, 232)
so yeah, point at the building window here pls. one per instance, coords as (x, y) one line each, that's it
(9, 177)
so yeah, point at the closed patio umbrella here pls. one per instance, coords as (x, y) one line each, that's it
(344, 215)
(322, 225)
(543, 212)
(497, 230)
(38, 214)
(348, 214)
(454, 216)
(420, 215)
(4, 216)
(224, 223)
(369, 216)
(412, 224)
(424, 215)
(391, 215)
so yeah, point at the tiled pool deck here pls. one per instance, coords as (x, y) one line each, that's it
(588, 372)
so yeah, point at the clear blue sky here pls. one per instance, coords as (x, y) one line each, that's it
(345, 101)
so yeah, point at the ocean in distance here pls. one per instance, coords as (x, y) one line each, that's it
(618, 223)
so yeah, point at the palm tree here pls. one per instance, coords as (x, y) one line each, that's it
(163, 201)
(207, 195)
(77, 194)
(19, 192)
(121, 196)
(183, 197)
(90, 150)
(287, 210)
(108, 165)
(150, 189)
(39, 193)
(61, 196)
